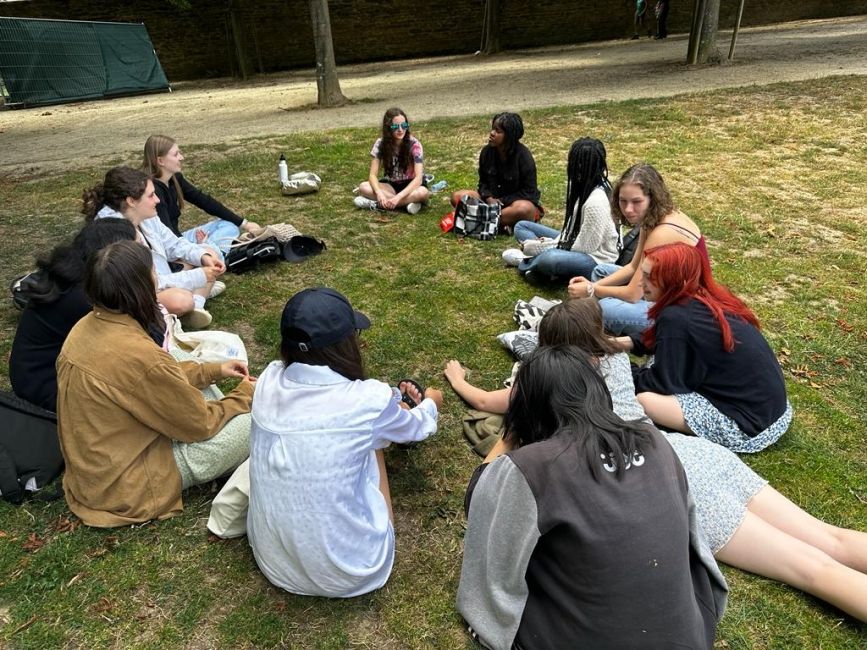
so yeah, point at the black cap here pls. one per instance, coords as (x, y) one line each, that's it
(319, 317)
(300, 247)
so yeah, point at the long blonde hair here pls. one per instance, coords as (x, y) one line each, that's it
(155, 147)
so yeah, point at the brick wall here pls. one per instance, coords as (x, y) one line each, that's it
(278, 36)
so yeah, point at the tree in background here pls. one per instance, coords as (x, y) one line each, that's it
(702, 37)
(491, 27)
(327, 83)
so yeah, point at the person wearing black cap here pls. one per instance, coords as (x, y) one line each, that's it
(320, 521)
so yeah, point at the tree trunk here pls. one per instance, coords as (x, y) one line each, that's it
(491, 28)
(240, 45)
(327, 83)
(702, 37)
(707, 48)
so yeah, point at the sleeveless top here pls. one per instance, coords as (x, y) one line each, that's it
(700, 241)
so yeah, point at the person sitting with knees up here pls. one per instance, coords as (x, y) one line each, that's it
(130, 194)
(640, 197)
(580, 530)
(589, 236)
(134, 426)
(55, 303)
(507, 174)
(320, 519)
(399, 156)
(162, 162)
(714, 374)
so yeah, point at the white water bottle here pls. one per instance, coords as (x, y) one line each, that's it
(282, 169)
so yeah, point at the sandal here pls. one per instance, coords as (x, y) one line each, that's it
(404, 397)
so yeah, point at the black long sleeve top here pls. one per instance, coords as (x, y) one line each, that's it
(169, 209)
(40, 335)
(508, 180)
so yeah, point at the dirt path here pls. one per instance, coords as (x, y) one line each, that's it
(223, 111)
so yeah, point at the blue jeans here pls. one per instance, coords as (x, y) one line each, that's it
(620, 317)
(604, 270)
(553, 262)
(531, 230)
(220, 233)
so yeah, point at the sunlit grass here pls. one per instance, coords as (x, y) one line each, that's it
(774, 175)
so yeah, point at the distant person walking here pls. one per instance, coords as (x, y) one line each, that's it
(661, 12)
(638, 20)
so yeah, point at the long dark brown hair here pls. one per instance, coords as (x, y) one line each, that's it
(388, 146)
(64, 266)
(119, 278)
(119, 183)
(559, 392)
(343, 357)
(576, 322)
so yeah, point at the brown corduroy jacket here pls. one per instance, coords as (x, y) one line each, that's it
(121, 400)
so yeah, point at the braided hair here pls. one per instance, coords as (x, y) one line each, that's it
(587, 169)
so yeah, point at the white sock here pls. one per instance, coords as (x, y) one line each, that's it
(198, 301)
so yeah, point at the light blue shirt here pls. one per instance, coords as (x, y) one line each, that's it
(318, 523)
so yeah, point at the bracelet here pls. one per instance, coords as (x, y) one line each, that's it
(591, 289)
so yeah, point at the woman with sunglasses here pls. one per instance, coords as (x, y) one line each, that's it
(400, 157)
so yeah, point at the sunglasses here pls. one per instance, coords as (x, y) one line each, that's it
(401, 125)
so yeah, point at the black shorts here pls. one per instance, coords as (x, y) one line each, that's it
(399, 186)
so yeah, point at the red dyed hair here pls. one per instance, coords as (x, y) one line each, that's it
(681, 273)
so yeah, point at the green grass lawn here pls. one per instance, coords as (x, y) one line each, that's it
(776, 177)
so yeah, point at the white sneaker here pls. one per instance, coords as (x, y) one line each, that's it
(365, 203)
(197, 319)
(216, 289)
(413, 208)
(513, 256)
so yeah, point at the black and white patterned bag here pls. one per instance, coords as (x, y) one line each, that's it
(474, 218)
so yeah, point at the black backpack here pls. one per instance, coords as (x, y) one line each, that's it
(29, 447)
(245, 257)
(627, 245)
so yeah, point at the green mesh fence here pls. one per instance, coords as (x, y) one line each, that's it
(55, 61)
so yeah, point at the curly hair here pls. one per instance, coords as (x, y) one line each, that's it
(651, 183)
(64, 266)
(119, 183)
(396, 156)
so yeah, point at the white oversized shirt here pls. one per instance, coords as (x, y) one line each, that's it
(318, 523)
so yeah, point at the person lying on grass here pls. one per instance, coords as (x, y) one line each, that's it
(747, 523)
